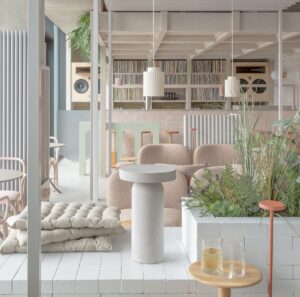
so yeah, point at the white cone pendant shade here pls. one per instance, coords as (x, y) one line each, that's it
(153, 82)
(232, 87)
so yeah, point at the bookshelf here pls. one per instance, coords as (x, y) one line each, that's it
(206, 79)
(188, 84)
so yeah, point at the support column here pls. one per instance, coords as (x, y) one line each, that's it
(110, 99)
(35, 58)
(280, 65)
(94, 102)
(102, 151)
(56, 82)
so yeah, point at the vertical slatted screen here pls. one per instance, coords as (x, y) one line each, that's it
(13, 103)
(13, 97)
(210, 129)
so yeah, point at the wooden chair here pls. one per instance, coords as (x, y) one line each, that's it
(54, 161)
(13, 202)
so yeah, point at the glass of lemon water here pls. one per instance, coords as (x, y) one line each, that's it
(211, 256)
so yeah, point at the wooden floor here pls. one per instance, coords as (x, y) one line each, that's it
(103, 274)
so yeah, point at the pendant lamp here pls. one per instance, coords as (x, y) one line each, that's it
(232, 83)
(153, 78)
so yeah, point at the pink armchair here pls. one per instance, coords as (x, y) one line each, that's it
(216, 154)
(119, 195)
(175, 154)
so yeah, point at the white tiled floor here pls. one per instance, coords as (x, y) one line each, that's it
(92, 274)
(73, 186)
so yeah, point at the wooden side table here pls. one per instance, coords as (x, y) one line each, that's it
(252, 277)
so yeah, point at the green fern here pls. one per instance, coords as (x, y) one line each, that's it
(80, 38)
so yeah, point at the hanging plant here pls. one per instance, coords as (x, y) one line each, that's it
(80, 38)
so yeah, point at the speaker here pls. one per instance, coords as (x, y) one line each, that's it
(81, 82)
(254, 80)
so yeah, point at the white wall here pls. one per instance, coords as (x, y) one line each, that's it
(13, 14)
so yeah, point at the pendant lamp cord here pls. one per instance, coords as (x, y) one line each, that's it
(231, 37)
(153, 20)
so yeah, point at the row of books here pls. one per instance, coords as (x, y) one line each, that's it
(207, 78)
(131, 94)
(172, 66)
(206, 94)
(205, 66)
(130, 66)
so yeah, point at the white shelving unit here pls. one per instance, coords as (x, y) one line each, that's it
(194, 83)
(206, 78)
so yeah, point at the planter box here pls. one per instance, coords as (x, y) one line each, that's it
(253, 233)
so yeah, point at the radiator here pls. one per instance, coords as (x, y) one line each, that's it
(209, 129)
(13, 97)
(13, 104)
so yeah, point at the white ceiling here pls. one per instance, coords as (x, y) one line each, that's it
(187, 35)
(198, 5)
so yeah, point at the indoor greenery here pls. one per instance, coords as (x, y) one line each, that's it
(80, 38)
(269, 169)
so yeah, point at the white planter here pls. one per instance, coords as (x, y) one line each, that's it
(253, 233)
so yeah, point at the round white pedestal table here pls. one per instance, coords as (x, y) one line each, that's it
(147, 230)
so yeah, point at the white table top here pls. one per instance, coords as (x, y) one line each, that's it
(56, 145)
(8, 175)
(148, 173)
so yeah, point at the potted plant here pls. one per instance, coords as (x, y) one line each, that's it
(270, 169)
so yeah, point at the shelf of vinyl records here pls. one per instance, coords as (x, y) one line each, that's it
(187, 84)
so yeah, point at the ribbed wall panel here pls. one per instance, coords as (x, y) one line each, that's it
(210, 129)
(13, 104)
(13, 97)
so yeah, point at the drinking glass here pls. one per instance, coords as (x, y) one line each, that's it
(211, 256)
(233, 264)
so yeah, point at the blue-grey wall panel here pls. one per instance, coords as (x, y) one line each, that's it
(68, 131)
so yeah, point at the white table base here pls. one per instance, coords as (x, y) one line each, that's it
(147, 232)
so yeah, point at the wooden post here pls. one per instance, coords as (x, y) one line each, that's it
(224, 292)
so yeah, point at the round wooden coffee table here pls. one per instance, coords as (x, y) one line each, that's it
(252, 277)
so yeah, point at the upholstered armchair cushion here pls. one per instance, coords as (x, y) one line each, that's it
(119, 191)
(172, 217)
(175, 154)
(215, 170)
(119, 195)
(216, 154)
